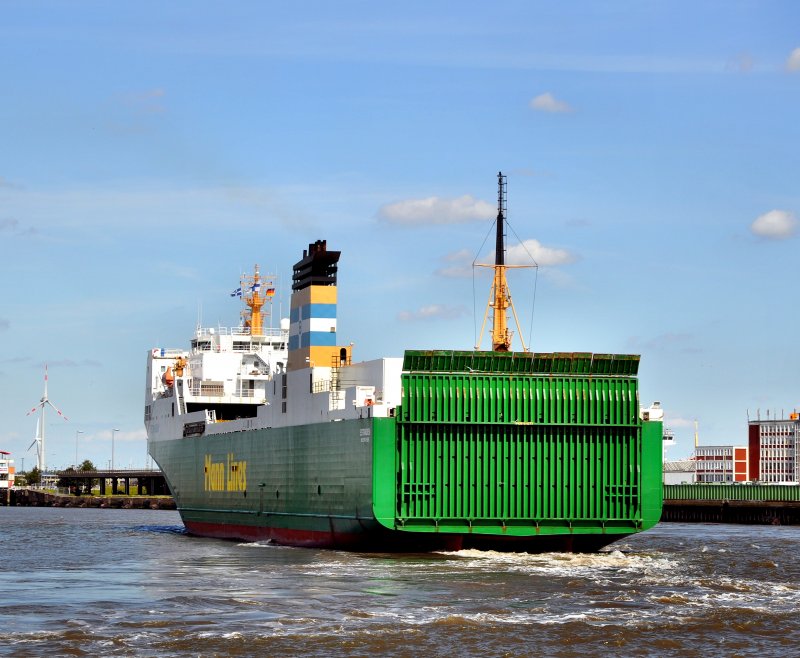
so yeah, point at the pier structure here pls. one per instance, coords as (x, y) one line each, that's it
(118, 481)
(115, 491)
(757, 504)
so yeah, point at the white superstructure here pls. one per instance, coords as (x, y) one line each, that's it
(238, 379)
(230, 381)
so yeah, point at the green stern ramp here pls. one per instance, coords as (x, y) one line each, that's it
(518, 445)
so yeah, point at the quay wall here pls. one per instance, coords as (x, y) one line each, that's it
(767, 492)
(698, 503)
(38, 498)
(756, 504)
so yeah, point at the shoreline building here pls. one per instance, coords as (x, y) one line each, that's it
(681, 471)
(7, 472)
(676, 471)
(721, 464)
(775, 449)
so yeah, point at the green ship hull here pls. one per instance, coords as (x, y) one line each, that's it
(505, 451)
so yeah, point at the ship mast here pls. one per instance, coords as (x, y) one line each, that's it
(254, 300)
(500, 297)
(501, 336)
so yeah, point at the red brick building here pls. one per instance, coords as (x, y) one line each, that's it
(721, 464)
(774, 449)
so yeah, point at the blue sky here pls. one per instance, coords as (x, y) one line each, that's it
(149, 153)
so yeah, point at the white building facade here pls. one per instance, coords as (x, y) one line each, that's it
(774, 454)
(721, 464)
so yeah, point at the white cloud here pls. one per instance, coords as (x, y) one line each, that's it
(154, 206)
(521, 254)
(171, 269)
(8, 185)
(69, 363)
(793, 63)
(105, 435)
(563, 280)
(775, 225)
(677, 421)
(146, 102)
(435, 210)
(578, 222)
(742, 63)
(528, 252)
(546, 102)
(13, 227)
(459, 265)
(433, 312)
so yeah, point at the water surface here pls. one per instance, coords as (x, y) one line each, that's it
(91, 582)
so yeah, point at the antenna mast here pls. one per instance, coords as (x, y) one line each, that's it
(254, 300)
(501, 336)
(500, 297)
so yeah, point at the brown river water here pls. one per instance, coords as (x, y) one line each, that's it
(96, 582)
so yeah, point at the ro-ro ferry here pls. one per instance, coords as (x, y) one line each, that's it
(278, 434)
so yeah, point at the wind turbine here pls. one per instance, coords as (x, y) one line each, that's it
(41, 462)
(37, 441)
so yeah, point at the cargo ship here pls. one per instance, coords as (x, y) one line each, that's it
(277, 434)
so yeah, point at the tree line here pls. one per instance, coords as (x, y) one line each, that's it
(75, 485)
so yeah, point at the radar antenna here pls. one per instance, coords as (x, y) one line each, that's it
(254, 299)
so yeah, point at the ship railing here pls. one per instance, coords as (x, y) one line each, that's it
(217, 391)
(249, 373)
(243, 347)
(321, 386)
(168, 352)
(204, 332)
(208, 389)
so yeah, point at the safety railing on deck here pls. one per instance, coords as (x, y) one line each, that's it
(202, 332)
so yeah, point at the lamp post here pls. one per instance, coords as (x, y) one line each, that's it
(113, 433)
(76, 447)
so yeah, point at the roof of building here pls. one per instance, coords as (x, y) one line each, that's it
(681, 465)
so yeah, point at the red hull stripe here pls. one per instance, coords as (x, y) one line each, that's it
(289, 537)
(390, 541)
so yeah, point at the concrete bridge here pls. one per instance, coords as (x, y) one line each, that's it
(151, 483)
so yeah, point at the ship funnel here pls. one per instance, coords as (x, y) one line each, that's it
(312, 321)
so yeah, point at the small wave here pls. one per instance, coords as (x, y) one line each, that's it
(726, 584)
(673, 599)
(763, 564)
(566, 564)
(359, 614)
(258, 544)
(162, 529)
